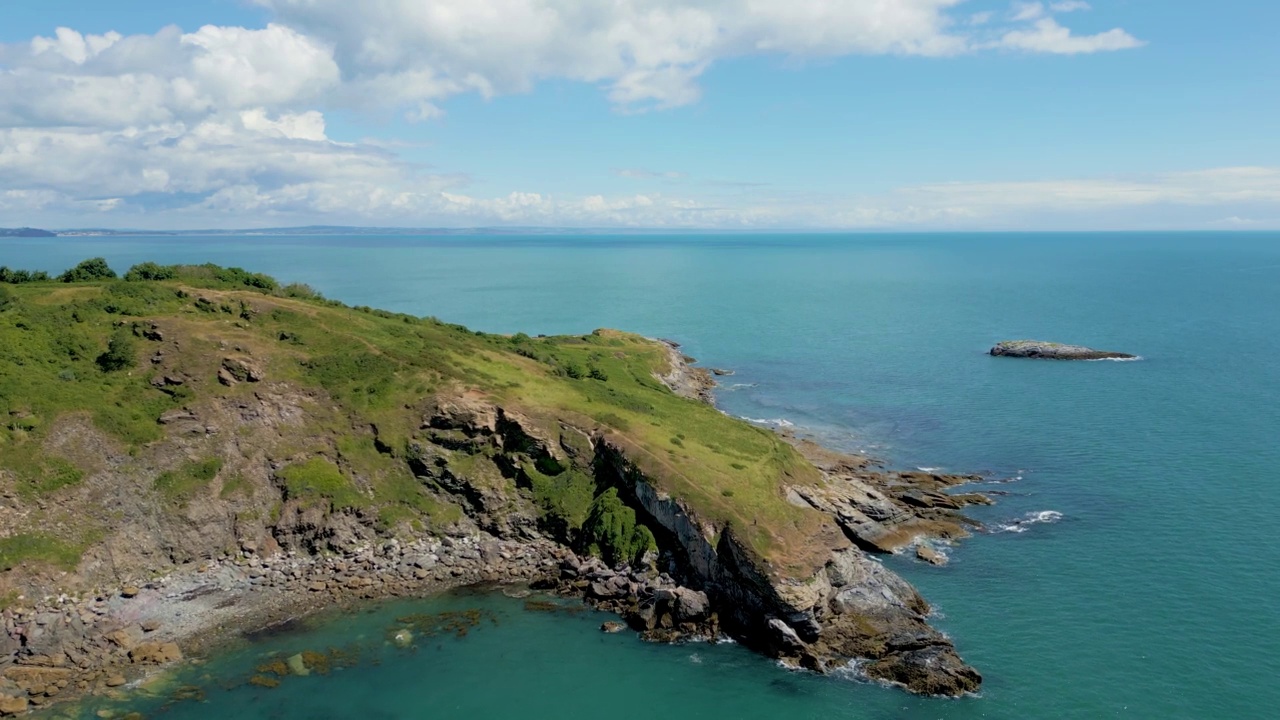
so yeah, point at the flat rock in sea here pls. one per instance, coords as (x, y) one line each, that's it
(1054, 351)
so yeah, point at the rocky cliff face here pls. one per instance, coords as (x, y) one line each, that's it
(849, 608)
(267, 452)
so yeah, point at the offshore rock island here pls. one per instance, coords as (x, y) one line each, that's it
(1042, 350)
(194, 452)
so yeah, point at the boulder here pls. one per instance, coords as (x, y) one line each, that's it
(241, 369)
(929, 555)
(154, 653)
(13, 705)
(1053, 351)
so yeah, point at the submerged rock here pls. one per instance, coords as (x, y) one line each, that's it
(1054, 351)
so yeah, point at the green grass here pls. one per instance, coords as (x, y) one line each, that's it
(319, 480)
(377, 367)
(181, 485)
(36, 547)
(37, 474)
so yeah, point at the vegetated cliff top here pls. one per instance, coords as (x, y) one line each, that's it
(98, 373)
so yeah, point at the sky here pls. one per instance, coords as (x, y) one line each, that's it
(725, 114)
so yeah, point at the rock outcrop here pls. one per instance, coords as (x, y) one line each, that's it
(1054, 351)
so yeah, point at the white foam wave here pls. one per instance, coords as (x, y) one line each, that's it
(775, 422)
(738, 386)
(929, 469)
(1025, 522)
(1135, 358)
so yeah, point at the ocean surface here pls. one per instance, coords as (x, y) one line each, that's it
(1133, 568)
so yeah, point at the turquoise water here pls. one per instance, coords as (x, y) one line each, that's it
(1153, 596)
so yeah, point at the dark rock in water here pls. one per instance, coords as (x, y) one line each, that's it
(928, 670)
(1053, 351)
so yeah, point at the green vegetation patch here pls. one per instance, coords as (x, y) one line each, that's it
(36, 547)
(318, 479)
(611, 531)
(183, 484)
(563, 496)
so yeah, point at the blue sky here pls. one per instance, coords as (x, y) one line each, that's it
(861, 114)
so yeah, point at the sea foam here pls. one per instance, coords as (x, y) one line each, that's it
(1025, 522)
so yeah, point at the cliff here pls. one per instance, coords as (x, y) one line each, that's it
(210, 430)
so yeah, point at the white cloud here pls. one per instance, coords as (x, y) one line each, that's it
(1047, 36)
(111, 81)
(1066, 6)
(1027, 11)
(645, 54)
(227, 125)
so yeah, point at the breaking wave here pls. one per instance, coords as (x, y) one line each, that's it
(1024, 523)
(775, 422)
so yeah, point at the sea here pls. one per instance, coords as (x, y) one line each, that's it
(1130, 568)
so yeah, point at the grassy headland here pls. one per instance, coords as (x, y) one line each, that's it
(97, 372)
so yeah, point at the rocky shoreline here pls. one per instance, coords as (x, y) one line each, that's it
(702, 584)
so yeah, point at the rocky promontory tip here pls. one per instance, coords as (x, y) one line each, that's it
(1042, 350)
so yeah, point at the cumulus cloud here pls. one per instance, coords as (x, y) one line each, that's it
(1047, 36)
(112, 81)
(227, 124)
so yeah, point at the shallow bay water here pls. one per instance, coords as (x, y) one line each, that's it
(1132, 571)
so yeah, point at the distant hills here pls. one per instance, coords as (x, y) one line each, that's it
(25, 232)
(320, 230)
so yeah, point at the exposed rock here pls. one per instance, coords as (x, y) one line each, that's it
(929, 555)
(1053, 351)
(155, 653)
(13, 705)
(241, 369)
(115, 681)
(610, 626)
(129, 591)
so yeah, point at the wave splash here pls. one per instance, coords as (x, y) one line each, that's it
(1025, 522)
(775, 422)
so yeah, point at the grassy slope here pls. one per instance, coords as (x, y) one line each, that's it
(377, 366)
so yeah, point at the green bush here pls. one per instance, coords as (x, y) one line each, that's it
(17, 277)
(611, 531)
(89, 271)
(150, 271)
(302, 291)
(121, 352)
(7, 299)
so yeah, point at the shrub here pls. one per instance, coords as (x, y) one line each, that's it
(17, 277)
(121, 352)
(612, 533)
(598, 374)
(302, 291)
(88, 271)
(7, 299)
(150, 271)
